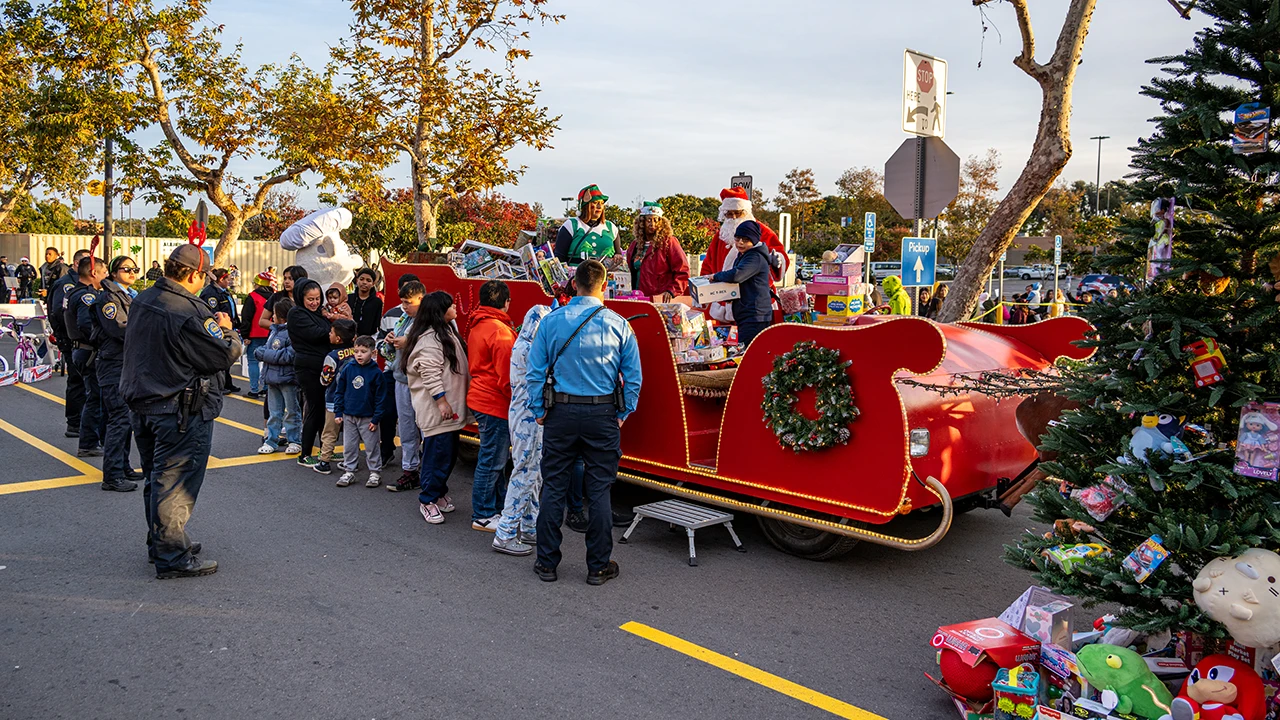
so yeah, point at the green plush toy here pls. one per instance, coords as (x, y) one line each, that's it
(1124, 673)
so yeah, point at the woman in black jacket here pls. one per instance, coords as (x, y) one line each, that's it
(309, 335)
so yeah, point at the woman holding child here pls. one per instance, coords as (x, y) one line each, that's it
(309, 335)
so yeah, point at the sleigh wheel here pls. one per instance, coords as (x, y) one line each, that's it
(804, 542)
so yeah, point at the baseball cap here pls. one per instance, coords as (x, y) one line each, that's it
(190, 256)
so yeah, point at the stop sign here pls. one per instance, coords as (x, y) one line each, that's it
(924, 76)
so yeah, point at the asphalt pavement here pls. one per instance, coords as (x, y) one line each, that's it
(342, 603)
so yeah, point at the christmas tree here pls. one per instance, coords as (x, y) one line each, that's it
(1217, 286)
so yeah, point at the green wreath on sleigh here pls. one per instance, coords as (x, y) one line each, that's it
(807, 365)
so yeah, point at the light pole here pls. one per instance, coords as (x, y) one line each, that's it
(1097, 183)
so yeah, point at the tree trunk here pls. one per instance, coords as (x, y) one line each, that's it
(424, 212)
(1049, 154)
(7, 204)
(235, 224)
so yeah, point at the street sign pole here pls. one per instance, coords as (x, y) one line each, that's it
(1057, 262)
(1000, 315)
(868, 242)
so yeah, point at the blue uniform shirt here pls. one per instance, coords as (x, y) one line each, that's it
(604, 350)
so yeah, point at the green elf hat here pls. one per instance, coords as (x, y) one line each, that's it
(651, 208)
(590, 194)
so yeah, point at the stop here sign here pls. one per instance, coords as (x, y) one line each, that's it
(924, 94)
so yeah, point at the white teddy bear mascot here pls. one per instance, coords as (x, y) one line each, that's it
(320, 247)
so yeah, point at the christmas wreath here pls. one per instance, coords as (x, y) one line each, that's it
(809, 365)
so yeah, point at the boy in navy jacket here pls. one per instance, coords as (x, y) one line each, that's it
(753, 310)
(341, 336)
(358, 402)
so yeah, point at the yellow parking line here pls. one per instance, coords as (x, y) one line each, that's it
(248, 460)
(241, 398)
(60, 401)
(20, 487)
(57, 454)
(755, 675)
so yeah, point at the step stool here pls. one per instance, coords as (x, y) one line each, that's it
(688, 516)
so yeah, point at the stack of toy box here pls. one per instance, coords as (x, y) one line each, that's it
(838, 291)
(694, 339)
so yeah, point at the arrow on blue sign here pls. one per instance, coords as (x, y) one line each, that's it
(919, 261)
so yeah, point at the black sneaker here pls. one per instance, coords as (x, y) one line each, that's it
(577, 521)
(195, 568)
(407, 482)
(120, 486)
(195, 550)
(72, 432)
(600, 577)
(133, 476)
(307, 461)
(231, 389)
(545, 574)
(322, 467)
(89, 452)
(255, 395)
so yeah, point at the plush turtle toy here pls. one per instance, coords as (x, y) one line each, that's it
(1121, 674)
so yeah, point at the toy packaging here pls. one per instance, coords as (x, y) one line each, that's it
(1145, 558)
(844, 305)
(1258, 443)
(1070, 557)
(675, 317)
(1015, 693)
(971, 653)
(794, 299)
(1102, 499)
(705, 291)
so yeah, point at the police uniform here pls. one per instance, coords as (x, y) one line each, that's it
(174, 356)
(110, 318)
(220, 300)
(57, 305)
(78, 319)
(582, 422)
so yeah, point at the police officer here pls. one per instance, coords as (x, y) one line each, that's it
(175, 352)
(583, 381)
(218, 295)
(57, 304)
(110, 318)
(78, 318)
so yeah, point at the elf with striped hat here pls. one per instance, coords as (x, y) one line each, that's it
(589, 235)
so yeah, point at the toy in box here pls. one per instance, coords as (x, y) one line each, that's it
(1070, 557)
(1015, 692)
(844, 305)
(1258, 442)
(675, 316)
(1145, 558)
(705, 291)
(970, 654)
(1063, 683)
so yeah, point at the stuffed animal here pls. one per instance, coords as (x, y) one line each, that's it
(1123, 676)
(321, 250)
(1146, 436)
(1220, 688)
(1243, 593)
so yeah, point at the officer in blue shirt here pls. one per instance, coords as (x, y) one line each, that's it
(583, 380)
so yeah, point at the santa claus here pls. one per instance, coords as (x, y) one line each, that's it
(735, 209)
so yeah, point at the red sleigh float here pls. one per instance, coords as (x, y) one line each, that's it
(818, 504)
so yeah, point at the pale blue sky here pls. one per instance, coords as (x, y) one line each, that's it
(659, 97)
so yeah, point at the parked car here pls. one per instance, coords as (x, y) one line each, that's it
(806, 271)
(1099, 285)
(882, 270)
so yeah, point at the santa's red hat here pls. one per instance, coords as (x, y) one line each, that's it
(734, 198)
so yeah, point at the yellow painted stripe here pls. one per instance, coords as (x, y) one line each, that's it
(56, 453)
(60, 401)
(21, 487)
(242, 398)
(755, 675)
(240, 377)
(248, 460)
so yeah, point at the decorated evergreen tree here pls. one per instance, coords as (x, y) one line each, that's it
(1218, 286)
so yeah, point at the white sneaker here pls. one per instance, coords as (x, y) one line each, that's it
(346, 479)
(489, 524)
(293, 449)
(266, 449)
(445, 504)
(375, 479)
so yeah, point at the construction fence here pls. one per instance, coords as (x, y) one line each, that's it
(250, 256)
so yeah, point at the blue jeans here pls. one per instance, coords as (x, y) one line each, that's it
(439, 455)
(174, 463)
(489, 488)
(255, 367)
(282, 401)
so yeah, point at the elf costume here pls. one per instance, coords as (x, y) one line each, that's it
(579, 240)
(722, 254)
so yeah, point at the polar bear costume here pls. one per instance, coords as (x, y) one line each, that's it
(320, 247)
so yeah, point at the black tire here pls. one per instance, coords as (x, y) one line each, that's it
(468, 452)
(1026, 276)
(804, 542)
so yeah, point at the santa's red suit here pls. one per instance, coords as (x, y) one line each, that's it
(721, 254)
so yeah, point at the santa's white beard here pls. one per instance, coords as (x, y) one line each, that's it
(728, 228)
